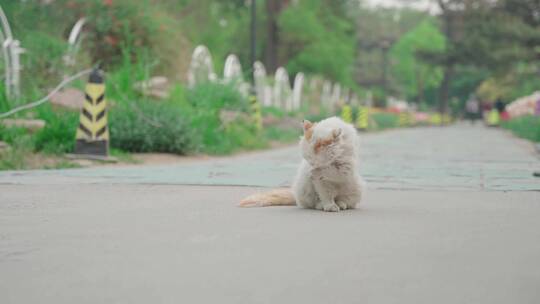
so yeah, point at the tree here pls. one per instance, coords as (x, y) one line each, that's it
(415, 76)
(316, 39)
(377, 30)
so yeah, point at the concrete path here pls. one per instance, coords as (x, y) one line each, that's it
(452, 216)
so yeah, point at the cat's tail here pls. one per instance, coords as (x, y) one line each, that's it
(278, 197)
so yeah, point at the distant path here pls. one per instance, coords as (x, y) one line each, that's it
(452, 215)
(454, 158)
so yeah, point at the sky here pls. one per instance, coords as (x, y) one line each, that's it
(418, 4)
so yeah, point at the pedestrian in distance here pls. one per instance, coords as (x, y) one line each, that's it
(472, 109)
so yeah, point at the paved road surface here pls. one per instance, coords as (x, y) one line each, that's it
(452, 216)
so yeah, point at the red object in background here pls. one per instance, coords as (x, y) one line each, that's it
(108, 2)
(421, 117)
(393, 110)
(505, 116)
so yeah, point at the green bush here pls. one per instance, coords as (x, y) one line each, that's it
(214, 96)
(526, 127)
(282, 134)
(145, 126)
(21, 144)
(10, 135)
(204, 104)
(58, 136)
(273, 111)
(384, 120)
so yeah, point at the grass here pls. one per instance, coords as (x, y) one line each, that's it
(527, 127)
(286, 135)
(383, 121)
(58, 135)
(123, 156)
(15, 157)
(144, 126)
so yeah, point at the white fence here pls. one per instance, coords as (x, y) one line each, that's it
(271, 91)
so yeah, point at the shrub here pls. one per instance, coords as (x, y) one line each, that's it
(204, 104)
(282, 134)
(144, 126)
(526, 127)
(385, 120)
(215, 96)
(58, 136)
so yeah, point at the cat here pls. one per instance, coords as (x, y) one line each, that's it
(327, 178)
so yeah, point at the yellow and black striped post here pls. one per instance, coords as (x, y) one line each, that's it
(410, 119)
(346, 113)
(403, 119)
(92, 136)
(256, 111)
(492, 118)
(446, 119)
(436, 119)
(362, 119)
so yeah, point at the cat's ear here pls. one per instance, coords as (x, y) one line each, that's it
(307, 125)
(336, 133)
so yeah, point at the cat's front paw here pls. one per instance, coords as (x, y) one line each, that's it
(331, 207)
(342, 205)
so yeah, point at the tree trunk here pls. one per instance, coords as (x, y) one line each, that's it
(419, 87)
(448, 29)
(445, 87)
(273, 7)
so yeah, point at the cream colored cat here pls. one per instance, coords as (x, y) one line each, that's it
(327, 178)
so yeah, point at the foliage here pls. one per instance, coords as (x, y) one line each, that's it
(526, 127)
(495, 37)
(117, 25)
(58, 136)
(383, 121)
(21, 153)
(318, 41)
(204, 105)
(521, 81)
(222, 26)
(276, 133)
(15, 157)
(144, 126)
(414, 75)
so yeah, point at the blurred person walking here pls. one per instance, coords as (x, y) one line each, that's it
(472, 109)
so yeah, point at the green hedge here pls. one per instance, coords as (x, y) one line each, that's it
(526, 127)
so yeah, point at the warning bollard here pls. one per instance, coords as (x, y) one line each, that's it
(362, 119)
(403, 120)
(493, 118)
(92, 136)
(256, 112)
(346, 114)
(436, 119)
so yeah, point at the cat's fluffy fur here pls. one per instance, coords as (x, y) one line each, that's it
(327, 178)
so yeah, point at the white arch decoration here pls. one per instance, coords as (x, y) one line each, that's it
(201, 68)
(11, 50)
(263, 90)
(326, 95)
(346, 96)
(297, 90)
(336, 94)
(282, 90)
(74, 42)
(232, 71)
(354, 100)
